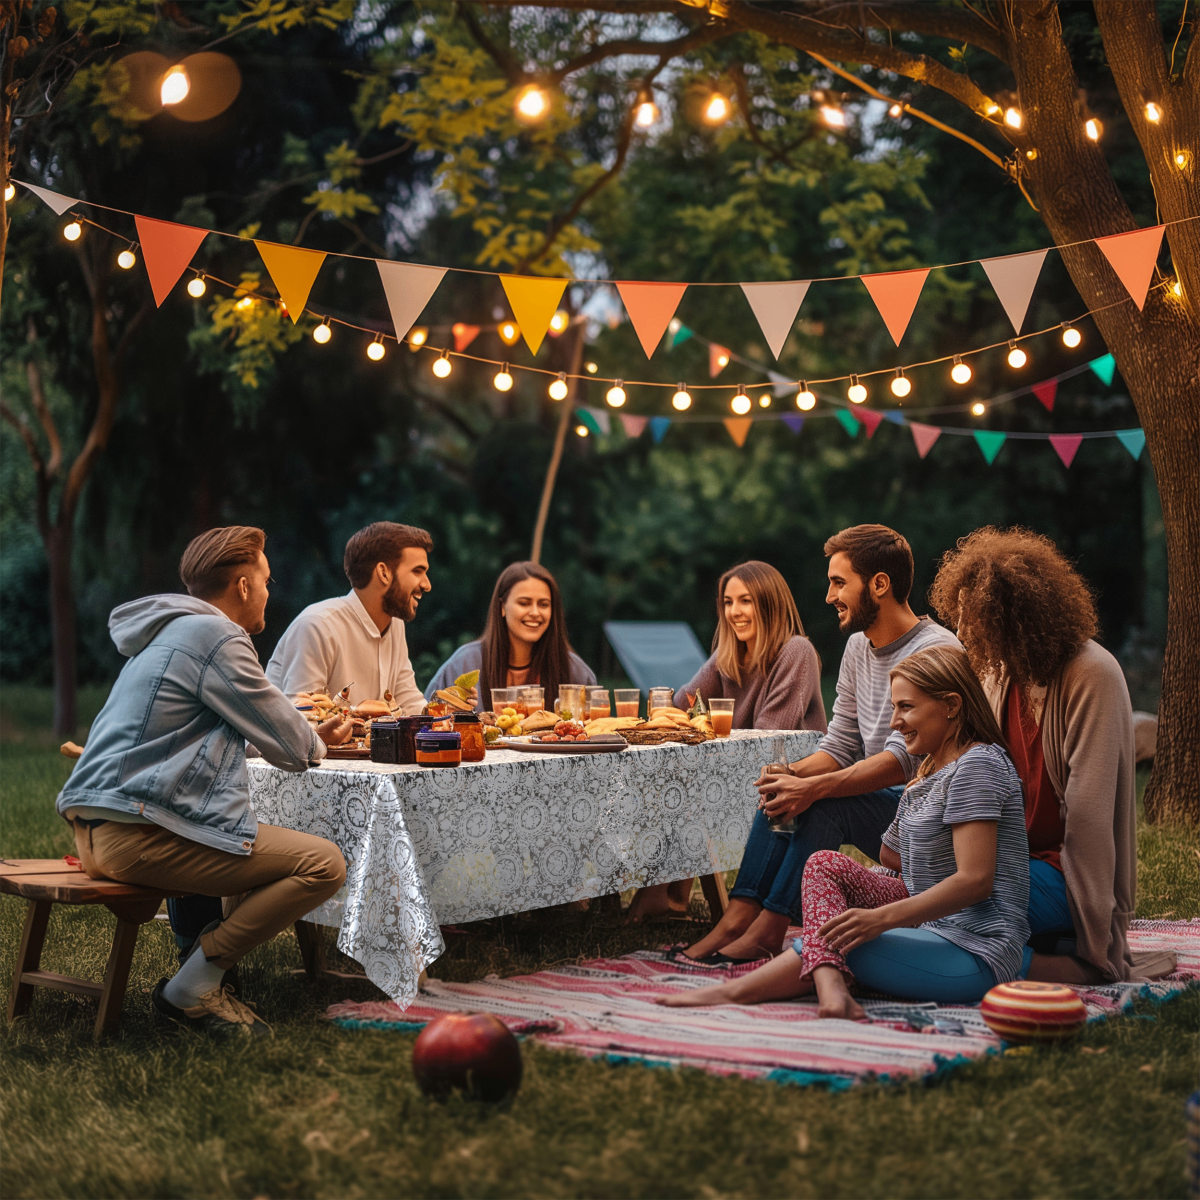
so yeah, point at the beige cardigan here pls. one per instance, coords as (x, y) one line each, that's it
(1087, 739)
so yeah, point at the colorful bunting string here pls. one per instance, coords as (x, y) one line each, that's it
(990, 441)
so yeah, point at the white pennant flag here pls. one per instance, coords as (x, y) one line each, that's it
(408, 287)
(776, 305)
(1013, 279)
(781, 385)
(602, 417)
(56, 200)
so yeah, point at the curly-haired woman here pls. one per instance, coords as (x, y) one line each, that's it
(1026, 618)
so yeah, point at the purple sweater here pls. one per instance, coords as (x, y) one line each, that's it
(788, 697)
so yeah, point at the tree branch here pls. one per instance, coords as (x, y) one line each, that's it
(42, 502)
(38, 396)
(509, 67)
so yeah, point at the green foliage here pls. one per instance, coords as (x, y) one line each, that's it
(278, 16)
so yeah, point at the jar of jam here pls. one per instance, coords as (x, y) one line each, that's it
(437, 748)
(469, 729)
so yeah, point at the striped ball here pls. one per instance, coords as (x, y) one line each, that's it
(1026, 1011)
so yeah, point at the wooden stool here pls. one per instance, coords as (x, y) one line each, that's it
(45, 882)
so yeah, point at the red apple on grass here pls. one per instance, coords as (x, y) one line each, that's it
(472, 1052)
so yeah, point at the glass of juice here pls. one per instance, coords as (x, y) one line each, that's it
(660, 697)
(779, 766)
(599, 703)
(628, 701)
(532, 698)
(572, 701)
(720, 713)
(503, 698)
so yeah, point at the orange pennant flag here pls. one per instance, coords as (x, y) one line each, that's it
(650, 307)
(534, 301)
(1132, 256)
(293, 271)
(739, 428)
(167, 248)
(895, 294)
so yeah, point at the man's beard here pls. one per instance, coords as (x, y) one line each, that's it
(862, 616)
(399, 603)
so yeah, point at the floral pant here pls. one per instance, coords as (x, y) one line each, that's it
(833, 883)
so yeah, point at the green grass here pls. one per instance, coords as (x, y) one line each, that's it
(323, 1112)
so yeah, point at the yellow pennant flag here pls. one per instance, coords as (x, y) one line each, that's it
(293, 271)
(534, 301)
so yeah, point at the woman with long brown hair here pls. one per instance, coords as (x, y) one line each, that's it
(523, 642)
(951, 923)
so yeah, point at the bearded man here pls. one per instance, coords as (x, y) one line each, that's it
(357, 640)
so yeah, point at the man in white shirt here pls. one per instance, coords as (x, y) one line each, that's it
(358, 639)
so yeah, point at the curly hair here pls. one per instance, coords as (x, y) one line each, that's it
(1018, 606)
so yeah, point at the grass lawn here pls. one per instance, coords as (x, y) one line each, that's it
(322, 1112)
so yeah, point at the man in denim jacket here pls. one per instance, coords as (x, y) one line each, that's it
(160, 796)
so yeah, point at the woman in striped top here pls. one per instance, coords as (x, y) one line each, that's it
(946, 920)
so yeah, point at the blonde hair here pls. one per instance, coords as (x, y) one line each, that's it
(776, 615)
(945, 671)
(211, 560)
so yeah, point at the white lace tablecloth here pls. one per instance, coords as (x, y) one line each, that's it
(519, 831)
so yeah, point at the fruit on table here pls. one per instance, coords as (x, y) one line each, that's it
(509, 721)
(475, 1053)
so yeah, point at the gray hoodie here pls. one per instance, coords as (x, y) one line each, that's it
(169, 744)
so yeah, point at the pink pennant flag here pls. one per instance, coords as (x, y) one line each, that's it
(650, 307)
(633, 425)
(895, 294)
(715, 354)
(1132, 256)
(775, 307)
(464, 335)
(1013, 278)
(870, 418)
(167, 248)
(924, 436)
(408, 287)
(1065, 446)
(1046, 391)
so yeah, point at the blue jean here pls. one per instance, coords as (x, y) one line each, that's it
(773, 863)
(918, 964)
(1051, 928)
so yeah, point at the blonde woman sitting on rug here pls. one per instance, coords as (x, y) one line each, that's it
(952, 923)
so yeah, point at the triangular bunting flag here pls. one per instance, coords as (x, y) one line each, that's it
(464, 335)
(603, 419)
(715, 354)
(293, 271)
(534, 301)
(167, 248)
(1104, 367)
(408, 288)
(847, 421)
(989, 442)
(1013, 278)
(650, 307)
(632, 425)
(781, 385)
(775, 307)
(681, 335)
(1066, 445)
(1046, 391)
(895, 294)
(738, 428)
(794, 423)
(895, 416)
(587, 419)
(659, 427)
(924, 436)
(871, 419)
(1134, 440)
(1132, 256)
(56, 200)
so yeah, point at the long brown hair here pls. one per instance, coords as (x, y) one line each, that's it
(776, 614)
(551, 663)
(945, 671)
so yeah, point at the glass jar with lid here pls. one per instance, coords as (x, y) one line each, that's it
(470, 732)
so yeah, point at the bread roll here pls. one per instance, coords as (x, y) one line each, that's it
(372, 708)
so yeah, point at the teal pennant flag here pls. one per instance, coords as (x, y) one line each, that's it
(587, 420)
(990, 441)
(680, 335)
(659, 427)
(847, 421)
(1134, 440)
(1104, 366)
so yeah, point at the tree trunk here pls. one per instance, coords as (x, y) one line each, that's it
(62, 625)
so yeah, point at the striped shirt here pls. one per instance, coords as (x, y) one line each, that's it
(862, 711)
(981, 785)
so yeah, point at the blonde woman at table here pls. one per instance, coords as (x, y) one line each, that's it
(765, 664)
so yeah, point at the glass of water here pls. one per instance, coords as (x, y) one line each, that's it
(779, 766)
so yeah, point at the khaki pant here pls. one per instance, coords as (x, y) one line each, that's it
(285, 876)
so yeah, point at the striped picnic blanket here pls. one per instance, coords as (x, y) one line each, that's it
(605, 1008)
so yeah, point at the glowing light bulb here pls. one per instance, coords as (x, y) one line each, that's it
(896, 111)
(682, 400)
(960, 372)
(418, 335)
(833, 116)
(581, 431)
(764, 401)
(558, 389)
(991, 108)
(532, 103)
(1093, 128)
(1182, 158)
(856, 393)
(442, 366)
(591, 368)
(741, 402)
(503, 380)
(322, 333)
(616, 394)
(175, 86)
(9, 192)
(1071, 337)
(559, 321)
(1177, 288)
(901, 385)
(1031, 153)
(126, 260)
(1153, 112)
(197, 287)
(509, 332)
(1013, 118)
(805, 399)
(722, 360)
(645, 114)
(375, 351)
(717, 110)
(244, 303)
(73, 232)
(978, 408)
(1017, 357)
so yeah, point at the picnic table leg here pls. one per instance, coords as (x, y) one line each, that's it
(29, 956)
(713, 887)
(116, 977)
(312, 948)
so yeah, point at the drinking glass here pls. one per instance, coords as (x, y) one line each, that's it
(779, 766)
(628, 701)
(598, 703)
(531, 698)
(720, 713)
(660, 697)
(572, 701)
(503, 698)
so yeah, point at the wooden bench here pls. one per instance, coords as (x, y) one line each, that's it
(45, 882)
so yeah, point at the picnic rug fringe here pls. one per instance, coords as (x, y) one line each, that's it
(605, 1009)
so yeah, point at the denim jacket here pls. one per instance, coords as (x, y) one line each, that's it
(170, 742)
